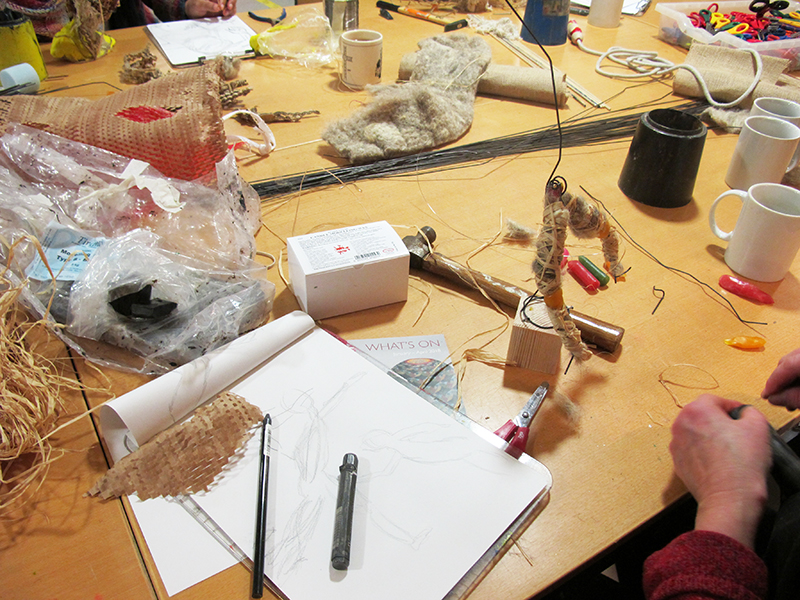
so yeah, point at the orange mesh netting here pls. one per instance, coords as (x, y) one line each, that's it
(173, 122)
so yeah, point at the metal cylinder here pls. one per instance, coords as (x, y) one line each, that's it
(342, 15)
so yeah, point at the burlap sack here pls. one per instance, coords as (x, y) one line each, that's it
(729, 72)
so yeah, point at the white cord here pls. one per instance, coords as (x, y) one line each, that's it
(649, 64)
(261, 127)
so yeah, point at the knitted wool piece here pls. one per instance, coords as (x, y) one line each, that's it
(434, 108)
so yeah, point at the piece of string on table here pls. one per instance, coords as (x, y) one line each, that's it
(710, 384)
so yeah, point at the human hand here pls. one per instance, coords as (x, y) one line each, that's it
(783, 386)
(198, 9)
(724, 464)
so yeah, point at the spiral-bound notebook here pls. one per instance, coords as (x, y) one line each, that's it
(194, 41)
(436, 501)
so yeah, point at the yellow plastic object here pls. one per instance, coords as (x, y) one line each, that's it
(18, 44)
(67, 45)
(746, 342)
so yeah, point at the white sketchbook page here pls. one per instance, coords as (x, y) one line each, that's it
(432, 496)
(187, 42)
(132, 419)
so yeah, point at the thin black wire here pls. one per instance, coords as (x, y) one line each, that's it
(523, 313)
(673, 269)
(660, 298)
(78, 85)
(552, 81)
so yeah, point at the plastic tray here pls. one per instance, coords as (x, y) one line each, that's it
(676, 28)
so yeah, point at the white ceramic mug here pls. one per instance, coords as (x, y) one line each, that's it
(763, 153)
(362, 57)
(779, 108)
(766, 236)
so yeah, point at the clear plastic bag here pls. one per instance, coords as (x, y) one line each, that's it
(176, 256)
(100, 191)
(165, 307)
(306, 39)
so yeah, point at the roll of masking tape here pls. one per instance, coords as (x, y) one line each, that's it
(19, 45)
(20, 75)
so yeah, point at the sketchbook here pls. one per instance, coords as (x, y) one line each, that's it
(193, 41)
(437, 498)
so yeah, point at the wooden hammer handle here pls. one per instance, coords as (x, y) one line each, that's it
(593, 331)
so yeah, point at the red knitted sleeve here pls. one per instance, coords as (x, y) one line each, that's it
(705, 565)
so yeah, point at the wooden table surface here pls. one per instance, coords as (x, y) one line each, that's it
(610, 462)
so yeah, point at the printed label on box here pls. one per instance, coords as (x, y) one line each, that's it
(342, 247)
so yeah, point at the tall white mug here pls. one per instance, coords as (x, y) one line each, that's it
(766, 237)
(763, 153)
(779, 108)
(605, 13)
(362, 57)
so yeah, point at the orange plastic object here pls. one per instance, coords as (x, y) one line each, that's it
(746, 342)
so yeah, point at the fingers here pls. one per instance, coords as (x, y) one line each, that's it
(715, 403)
(783, 385)
(197, 9)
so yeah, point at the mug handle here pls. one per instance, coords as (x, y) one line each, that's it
(795, 158)
(712, 221)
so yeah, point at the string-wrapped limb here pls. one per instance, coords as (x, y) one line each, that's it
(547, 270)
(587, 221)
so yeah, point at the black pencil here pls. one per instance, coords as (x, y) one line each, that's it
(261, 508)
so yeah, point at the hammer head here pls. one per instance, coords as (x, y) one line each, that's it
(419, 246)
(460, 24)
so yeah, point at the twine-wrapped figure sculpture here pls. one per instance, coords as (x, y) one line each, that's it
(561, 210)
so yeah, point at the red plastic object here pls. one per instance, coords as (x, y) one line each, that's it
(583, 276)
(744, 289)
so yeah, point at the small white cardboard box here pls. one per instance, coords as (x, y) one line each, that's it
(344, 270)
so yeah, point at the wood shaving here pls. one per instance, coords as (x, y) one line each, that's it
(139, 67)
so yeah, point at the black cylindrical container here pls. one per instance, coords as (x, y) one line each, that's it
(663, 159)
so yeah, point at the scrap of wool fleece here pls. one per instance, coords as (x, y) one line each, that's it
(435, 107)
(185, 458)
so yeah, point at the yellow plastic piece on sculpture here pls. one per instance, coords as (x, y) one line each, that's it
(67, 45)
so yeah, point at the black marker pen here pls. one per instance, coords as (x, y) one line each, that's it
(343, 524)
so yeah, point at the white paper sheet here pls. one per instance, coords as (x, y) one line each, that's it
(629, 7)
(192, 41)
(432, 495)
(131, 420)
